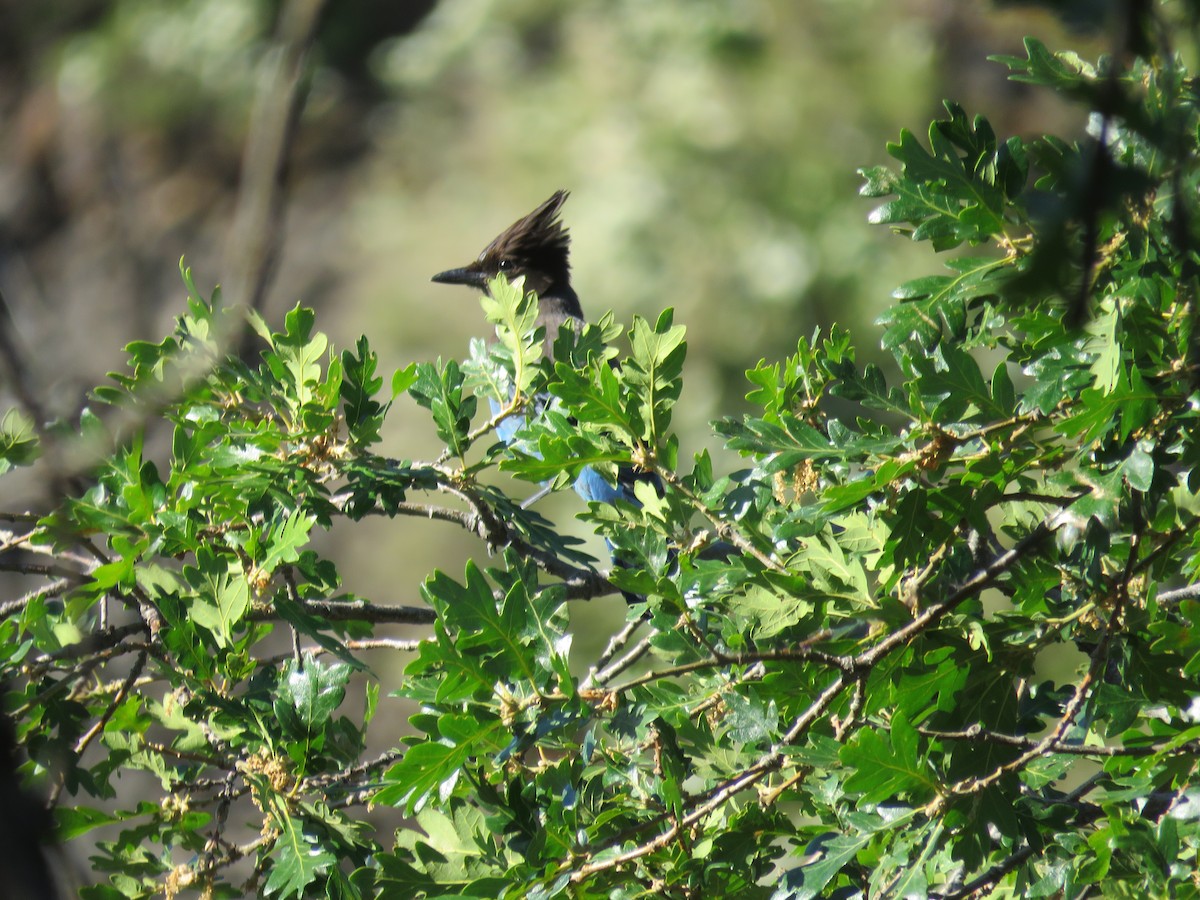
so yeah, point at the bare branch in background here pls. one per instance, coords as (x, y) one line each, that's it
(257, 233)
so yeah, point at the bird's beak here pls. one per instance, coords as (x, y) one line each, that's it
(468, 276)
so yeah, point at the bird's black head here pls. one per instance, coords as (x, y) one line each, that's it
(536, 246)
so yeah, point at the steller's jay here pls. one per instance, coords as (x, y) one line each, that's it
(537, 247)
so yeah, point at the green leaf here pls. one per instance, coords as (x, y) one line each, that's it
(364, 414)
(440, 389)
(751, 721)
(284, 540)
(957, 190)
(834, 853)
(1103, 498)
(72, 821)
(432, 767)
(296, 356)
(402, 379)
(792, 441)
(886, 765)
(298, 858)
(519, 629)
(1062, 71)
(309, 692)
(655, 372)
(1124, 409)
(1138, 467)
(595, 397)
(952, 389)
(19, 445)
(223, 594)
(869, 388)
(514, 312)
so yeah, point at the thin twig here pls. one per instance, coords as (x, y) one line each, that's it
(384, 759)
(356, 611)
(615, 643)
(403, 645)
(1191, 592)
(52, 589)
(981, 736)
(636, 652)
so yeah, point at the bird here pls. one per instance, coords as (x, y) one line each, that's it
(537, 247)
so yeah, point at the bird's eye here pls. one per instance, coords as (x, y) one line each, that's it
(505, 265)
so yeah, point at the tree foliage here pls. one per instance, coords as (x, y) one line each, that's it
(936, 637)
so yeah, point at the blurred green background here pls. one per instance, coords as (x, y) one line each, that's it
(710, 147)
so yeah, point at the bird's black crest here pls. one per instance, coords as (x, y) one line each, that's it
(537, 241)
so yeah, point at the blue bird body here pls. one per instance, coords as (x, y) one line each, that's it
(590, 485)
